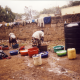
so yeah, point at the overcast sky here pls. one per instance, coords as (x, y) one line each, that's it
(18, 6)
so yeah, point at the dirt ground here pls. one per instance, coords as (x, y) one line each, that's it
(52, 68)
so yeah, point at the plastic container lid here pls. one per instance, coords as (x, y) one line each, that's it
(72, 24)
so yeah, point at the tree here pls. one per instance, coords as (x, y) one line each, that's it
(18, 16)
(53, 10)
(71, 3)
(74, 3)
(10, 16)
(6, 14)
(2, 14)
(30, 13)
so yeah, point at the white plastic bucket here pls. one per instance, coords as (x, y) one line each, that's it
(37, 59)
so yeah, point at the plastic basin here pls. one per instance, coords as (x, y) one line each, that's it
(14, 52)
(24, 52)
(44, 54)
(57, 48)
(61, 52)
(5, 48)
(32, 51)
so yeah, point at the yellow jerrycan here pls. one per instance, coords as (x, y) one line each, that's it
(71, 53)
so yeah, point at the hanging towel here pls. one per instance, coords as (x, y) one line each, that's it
(7, 24)
(33, 20)
(0, 25)
(27, 21)
(36, 20)
(30, 21)
(47, 20)
(10, 24)
(40, 22)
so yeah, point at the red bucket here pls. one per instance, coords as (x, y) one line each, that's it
(0, 47)
(33, 51)
(5, 48)
(22, 48)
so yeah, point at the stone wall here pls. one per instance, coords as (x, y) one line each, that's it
(53, 31)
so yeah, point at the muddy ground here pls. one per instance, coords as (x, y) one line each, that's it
(52, 68)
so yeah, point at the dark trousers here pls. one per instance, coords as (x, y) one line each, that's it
(12, 40)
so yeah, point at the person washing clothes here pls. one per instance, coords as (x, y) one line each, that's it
(37, 37)
(12, 39)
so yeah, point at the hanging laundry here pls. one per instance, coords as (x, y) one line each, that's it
(33, 20)
(41, 22)
(30, 21)
(0, 25)
(7, 24)
(10, 24)
(27, 21)
(36, 20)
(47, 20)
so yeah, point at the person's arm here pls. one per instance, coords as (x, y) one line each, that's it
(42, 39)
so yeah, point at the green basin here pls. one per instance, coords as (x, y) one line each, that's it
(61, 52)
(57, 48)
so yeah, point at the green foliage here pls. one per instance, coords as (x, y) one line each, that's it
(6, 14)
(48, 11)
(18, 16)
(30, 13)
(53, 10)
(73, 3)
(57, 10)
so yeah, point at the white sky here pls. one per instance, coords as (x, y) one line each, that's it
(18, 6)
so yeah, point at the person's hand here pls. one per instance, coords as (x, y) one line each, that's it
(42, 39)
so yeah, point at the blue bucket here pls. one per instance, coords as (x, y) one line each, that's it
(14, 52)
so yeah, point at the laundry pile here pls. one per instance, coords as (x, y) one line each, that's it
(3, 55)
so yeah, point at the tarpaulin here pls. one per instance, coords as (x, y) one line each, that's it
(47, 20)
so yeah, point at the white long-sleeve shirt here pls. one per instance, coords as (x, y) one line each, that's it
(12, 36)
(38, 34)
